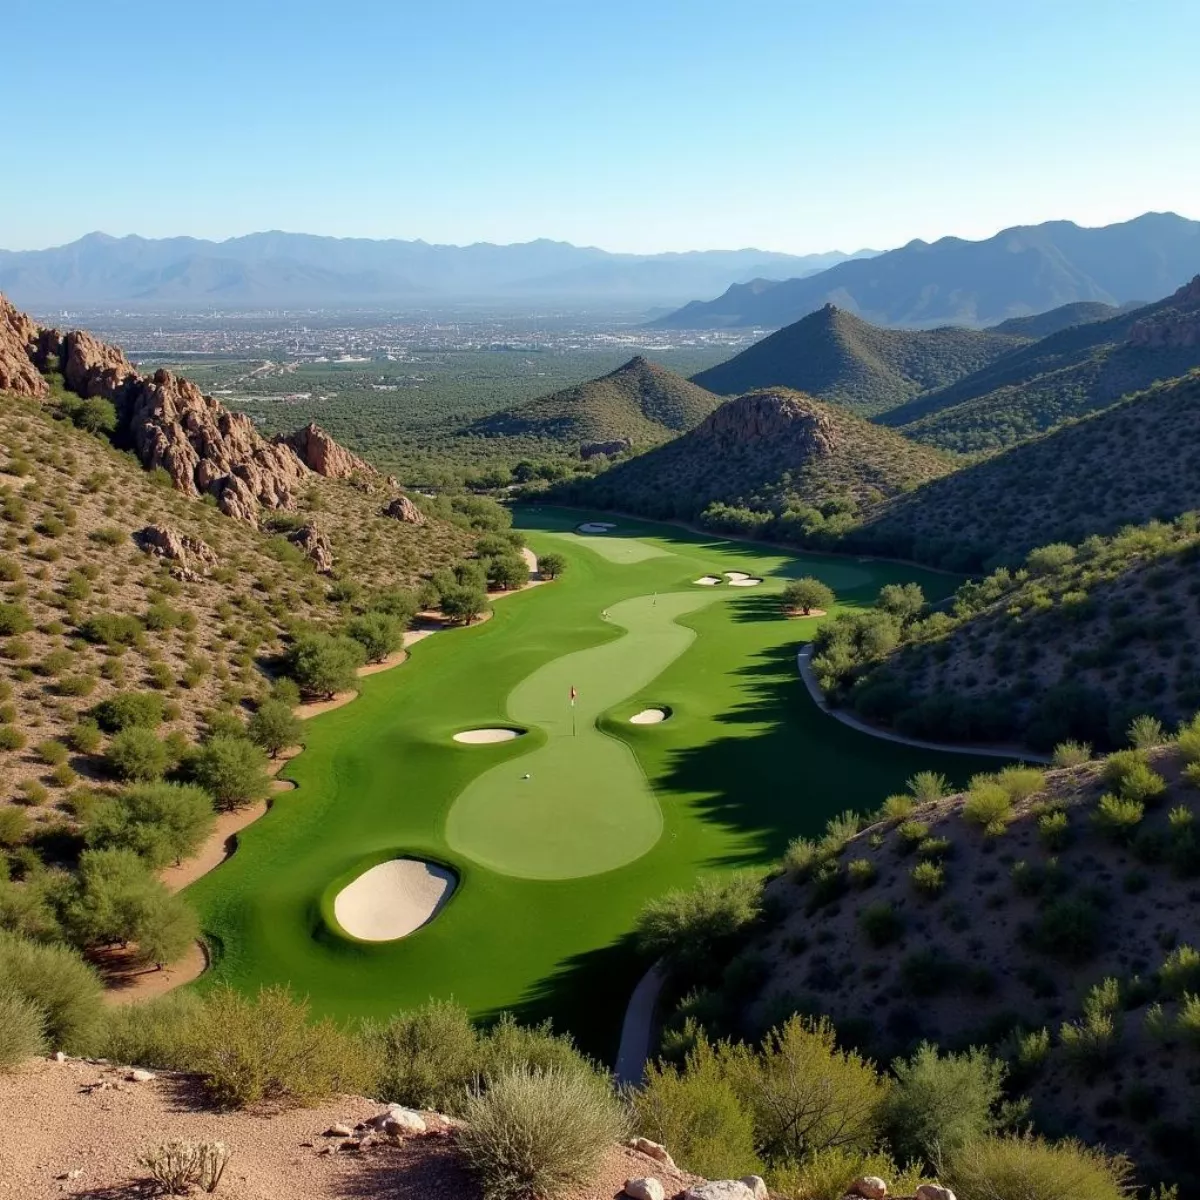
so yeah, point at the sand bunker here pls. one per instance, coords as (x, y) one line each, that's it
(596, 527)
(485, 737)
(741, 579)
(708, 580)
(392, 899)
(649, 716)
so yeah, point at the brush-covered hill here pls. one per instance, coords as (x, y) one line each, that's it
(1047, 917)
(766, 450)
(640, 403)
(1041, 325)
(1073, 644)
(1127, 464)
(840, 358)
(1023, 270)
(1065, 375)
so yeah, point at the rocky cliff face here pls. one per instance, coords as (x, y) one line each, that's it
(18, 339)
(320, 453)
(771, 417)
(1176, 326)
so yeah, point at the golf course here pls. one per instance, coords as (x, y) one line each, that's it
(536, 840)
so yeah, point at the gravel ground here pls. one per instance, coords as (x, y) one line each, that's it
(62, 1137)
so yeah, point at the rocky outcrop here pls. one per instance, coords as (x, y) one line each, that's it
(191, 556)
(18, 341)
(89, 366)
(594, 449)
(768, 417)
(316, 545)
(320, 453)
(401, 508)
(1175, 326)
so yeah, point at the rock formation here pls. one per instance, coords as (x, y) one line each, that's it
(18, 338)
(1174, 327)
(191, 556)
(320, 453)
(768, 416)
(316, 545)
(401, 508)
(593, 449)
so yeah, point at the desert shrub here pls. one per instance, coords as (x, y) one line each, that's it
(988, 805)
(1090, 1044)
(826, 1174)
(178, 1166)
(1069, 928)
(801, 856)
(76, 685)
(1025, 1167)
(274, 726)
(14, 619)
(14, 825)
(84, 736)
(59, 984)
(1187, 1021)
(265, 1048)
(1117, 819)
(112, 629)
(1020, 782)
(940, 1103)
(123, 710)
(926, 786)
(881, 923)
(508, 1045)
(232, 770)
(690, 929)
(1180, 971)
(51, 752)
(136, 754)
(161, 822)
(928, 878)
(322, 664)
(861, 872)
(22, 1027)
(1072, 754)
(897, 807)
(1054, 829)
(10, 738)
(155, 1034)
(539, 1133)
(1144, 733)
(912, 833)
(378, 633)
(428, 1057)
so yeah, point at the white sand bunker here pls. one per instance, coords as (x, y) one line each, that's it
(485, 737)
(708, 580)
(392, 899)
(649, 716)
(741, 579)
(596, 527)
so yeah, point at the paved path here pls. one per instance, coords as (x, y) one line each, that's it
(804, 663)
(639, 1021)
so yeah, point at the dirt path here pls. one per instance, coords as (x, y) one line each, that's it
(804, 663)
(634, 1049)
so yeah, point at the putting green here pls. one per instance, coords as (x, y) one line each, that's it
(554, 870)
(580, 803)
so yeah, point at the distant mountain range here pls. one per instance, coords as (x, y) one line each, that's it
(282, 269)
(1021, 271)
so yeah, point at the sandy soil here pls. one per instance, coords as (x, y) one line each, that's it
(392, 899)
(803, 616)
(708, 580)
(128, 982)
(648, 716)
(90, 1147)
(485, 737)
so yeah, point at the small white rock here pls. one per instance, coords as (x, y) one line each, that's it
(644, 1187)
(870, 1187)
(934, 1191)
(59, 1056)
(719, 1189)
(339, 1130)
(653, 1150)
(138, 1075)
(757, 1185)
(398, 1120)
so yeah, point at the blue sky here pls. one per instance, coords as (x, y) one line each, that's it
(655, 125)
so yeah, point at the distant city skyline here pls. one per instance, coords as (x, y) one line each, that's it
(650, 127)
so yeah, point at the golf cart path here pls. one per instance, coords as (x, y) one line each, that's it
(804, 663)
(634, 1049)
(222, 842)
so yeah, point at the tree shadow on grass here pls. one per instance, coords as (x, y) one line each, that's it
(755, 606)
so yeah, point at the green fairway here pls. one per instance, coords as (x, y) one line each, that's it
(553, 869)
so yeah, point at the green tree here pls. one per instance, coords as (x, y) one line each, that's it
(377, 633)
(136, 754)
(803, 595)
(464, 604)
(122, 710)
(161, 822)
(323, 664)
(903, 600)
(507, 572)
(274, 727)
(60, 984)
(551, 566)
(232, 770)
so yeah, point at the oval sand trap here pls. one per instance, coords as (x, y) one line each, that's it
(649, 716)
(485, 737)
(741, 579)
(708, 580)
(392, 899)
(596, 527)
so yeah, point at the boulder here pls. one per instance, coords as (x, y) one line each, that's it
(401, 508)
(138, 1075)
(316, 545)
(320, 453)
(339, 1130)
(397, 1121)
(870, 1187)
(720, 1189)
(653, 1150)
(18, 343)
(757, 1185)
(933, 1191)
(645, 1187)
(192, 556)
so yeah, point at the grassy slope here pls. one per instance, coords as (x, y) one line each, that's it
(745, 763)
(981, 971)
(840, 358)
(760, 450)
(640, 401)
(1136, 460)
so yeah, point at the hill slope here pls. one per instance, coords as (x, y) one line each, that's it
(1041, 325)
(1027, 269)
(1068, 374)
(767, 449)
(1124, 465)
(836, 356)
(640, 402)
